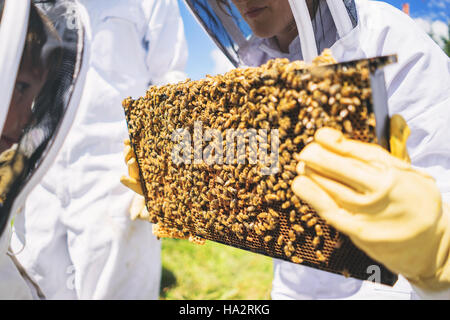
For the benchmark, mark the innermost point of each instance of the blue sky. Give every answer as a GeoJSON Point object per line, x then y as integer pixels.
{"type": "Point", "coordinates": [202, 50]}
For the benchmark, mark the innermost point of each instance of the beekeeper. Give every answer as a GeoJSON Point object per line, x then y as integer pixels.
{"type": "Point", "coordinates": [396, 214]}
{"type": "Point", "coordinates": [42, 72]}
{"type": "Point", "coordinates": [85, 245]}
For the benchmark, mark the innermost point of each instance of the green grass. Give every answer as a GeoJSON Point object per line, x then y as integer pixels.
{"type": "Point", "coordinates": [213, 272]}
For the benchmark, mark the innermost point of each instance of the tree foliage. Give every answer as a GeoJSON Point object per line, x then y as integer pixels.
{"type": "Point", "coordinates": [446, 41]}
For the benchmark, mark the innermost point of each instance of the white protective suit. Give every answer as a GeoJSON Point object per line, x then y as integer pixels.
{"type": "Point", "coordinates": [419, 90]}
{"type": "Point", "coordinates": [56, 104]}
{"type": "Point", "coordinates": [13, 285]}
{"type": "Point", "coordinates": [76, 238]}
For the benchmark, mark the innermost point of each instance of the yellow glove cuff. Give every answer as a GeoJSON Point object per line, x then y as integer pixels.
{"type": "Point", "coordinates": [398, 137]}
{"type": "Point", "coordinates": [133, 181]}
{"type": "Point", "coordinates": [439, 280]}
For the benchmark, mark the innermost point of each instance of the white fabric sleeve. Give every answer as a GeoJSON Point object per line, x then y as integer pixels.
{"type": "Point", "coordinates": [167, 48]}
{"type": "Point", "coordinates": [13, 286]}
{"type": "Point", "coordinates": [419, 90]}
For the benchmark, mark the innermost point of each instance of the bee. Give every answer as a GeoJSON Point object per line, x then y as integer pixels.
{"type": "Point", "coordinates": [219, 180]}
{"type": "Point", "coordinates": [262, 215]}
{"type": "Point", "coordinates": [296, 259]}
{"type": "Point", "coordinates": [298, 228]}
{"type": "Point", "coordinates": [292, 215]}
{"type": "Point", "coordinates": [287, 252]}
{"type": "Point", "coordinates": [281, 195]}
{"type": "Point", "coordinates": [273, 213]}
{"type": "Point", "coordinates": [311, 222]}
{"type": "Point", "coordinates": [197, 240]}
{"type": "Point", "coordinates": [283, 185]}
{"type": "Point", "coordinates": [316, 241]}
{"type": "Point", "coordinates": [280, 240]}
{"type": "Point", "coordinates": [263, 186]}
{"type": "Point", "coordinates": [345, 273]}
{"type": "Point", "coordinates": [231, 190]}
{"type": "Point", "coordinates": [296, 201]}
{"type": "Point", "coordinates": [320, 256]}
{"type": "Point", "coordinates": [272, 197]}
{"type": "Point", "coordinates": [286, 175]}
{"type": "Point", "coordinates": [292, 236]}
{"type": "Point", "coordinates": [286, 205]}
{"type": "Point", "coordinates": [318, 229]}
{"type": "Point", "coordinates": [291, 169]}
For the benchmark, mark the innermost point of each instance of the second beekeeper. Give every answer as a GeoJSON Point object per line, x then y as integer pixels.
{"type": "Point", "coordinates": [85, 245]}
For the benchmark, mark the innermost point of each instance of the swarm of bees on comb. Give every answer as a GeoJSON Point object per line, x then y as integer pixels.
{"type": "Point", "coordinates": [239, 202]}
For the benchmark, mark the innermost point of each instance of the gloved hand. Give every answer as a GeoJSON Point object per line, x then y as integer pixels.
{"type": "Point", "coordinates": [10, 168]}
{"type": "Point", "coordinates": [133, 181]}
{"type": "Point", "coordinates": [138, 208]}
{"type": "Point", "coordinates": [389, 210]}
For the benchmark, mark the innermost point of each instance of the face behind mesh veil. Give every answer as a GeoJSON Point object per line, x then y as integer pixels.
{"type": "Point", "coordinates": [43, 90]}
{"type": "Point", "coordinates": [237, 27]}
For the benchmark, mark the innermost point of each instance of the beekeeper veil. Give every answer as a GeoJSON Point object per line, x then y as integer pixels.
{"type": "Point", "coordinates": [41, 53]}
{"type": "Point", "coordinates": [245, 29]}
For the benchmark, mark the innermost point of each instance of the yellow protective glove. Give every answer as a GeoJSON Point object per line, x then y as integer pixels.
{"type": "Point", "coordinates": [398, 137]}
{"type": "Point", "coordinates": [138, 208]}
{"type": "Point", "coordinates": [389, 210]}
{"type": "Point", "coordinates": [133, 180]}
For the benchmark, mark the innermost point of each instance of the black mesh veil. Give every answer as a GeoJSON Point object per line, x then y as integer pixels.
{"type": "Point", "coordinates": [214, 17]}
{"type": "Point", "coordinates": [45, 82]}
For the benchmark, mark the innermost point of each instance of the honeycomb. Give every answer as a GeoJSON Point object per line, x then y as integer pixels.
{"type": "Point", "coordinates": [193, 188]}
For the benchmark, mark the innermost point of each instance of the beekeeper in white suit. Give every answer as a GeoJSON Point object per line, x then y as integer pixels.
{"type": "Point", "coordinates": [418, 86]}
{"type": "Point", "coordinates": [42, 71]}
{"type": "Point", "coordinates": [85, 245]}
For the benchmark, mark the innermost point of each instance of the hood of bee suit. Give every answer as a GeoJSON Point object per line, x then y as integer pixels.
{"type": "Point", "coordinates": [229, 27]}
{"type": "Point", "coordinates": [42, 50]}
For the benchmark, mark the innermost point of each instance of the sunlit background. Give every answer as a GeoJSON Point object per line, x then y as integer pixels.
{"type": "Point", "coordinates": [205, 58]}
